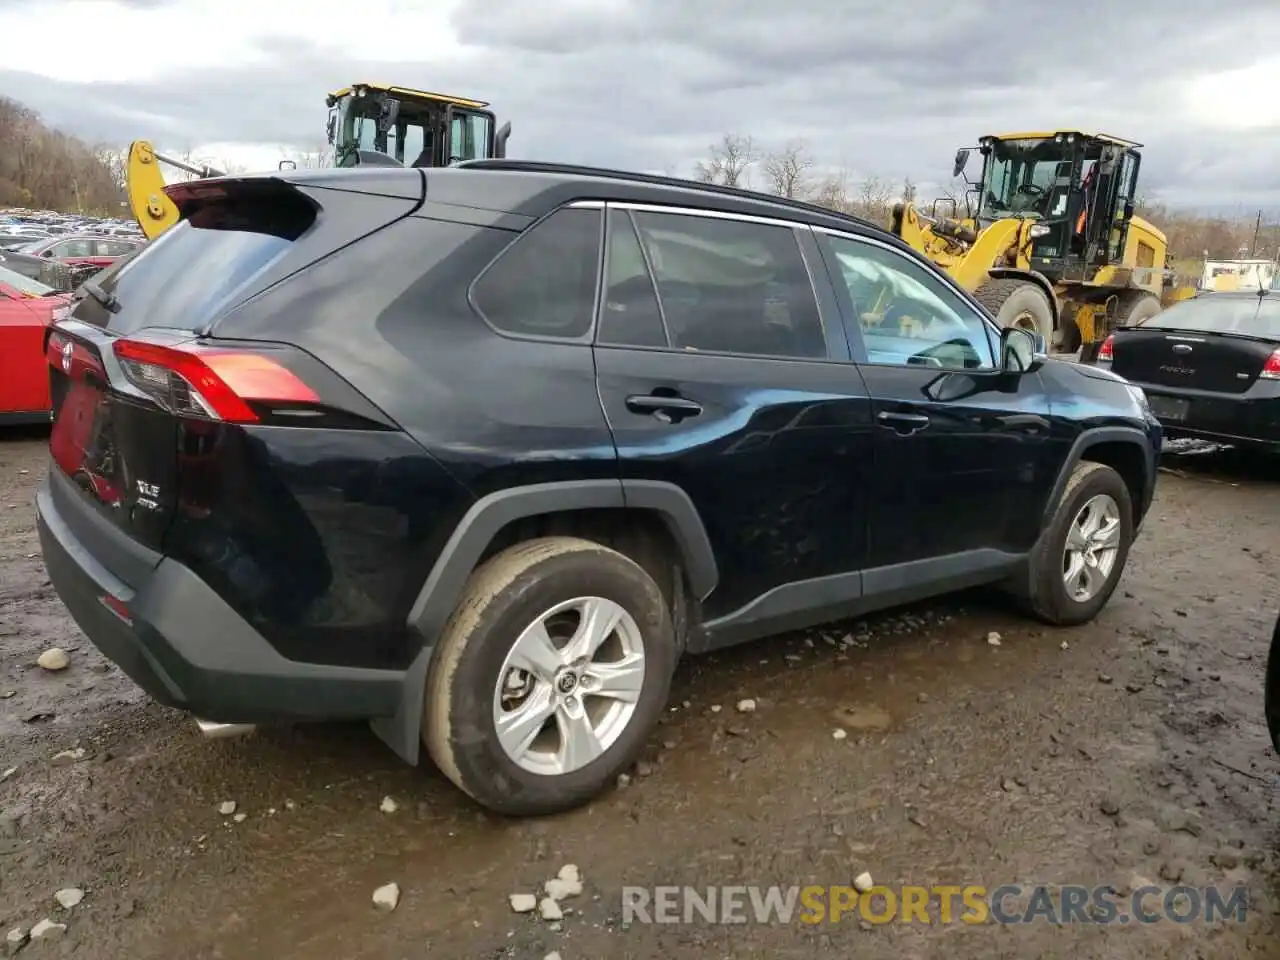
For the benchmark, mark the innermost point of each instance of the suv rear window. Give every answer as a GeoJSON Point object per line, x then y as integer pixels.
{"type": "Point", "coordinates": [183, 277]}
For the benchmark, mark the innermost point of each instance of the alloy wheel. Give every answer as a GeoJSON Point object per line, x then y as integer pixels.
{"type": "Point", "coordinates": [568, 687]}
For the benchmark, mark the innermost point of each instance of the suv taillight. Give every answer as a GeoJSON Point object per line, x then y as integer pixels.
{"type": "Point", "coordinates": [212, 382]}
{"type": "Point", "coordinates": [1271, 369]}
{"type": "Point", "coordinates": [1105, 351]}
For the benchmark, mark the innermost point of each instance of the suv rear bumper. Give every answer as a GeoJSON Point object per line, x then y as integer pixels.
{"type": "Point", "coordinates": [181, 642]}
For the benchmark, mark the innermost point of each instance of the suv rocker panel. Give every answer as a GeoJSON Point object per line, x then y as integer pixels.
{"type": "Point", "coordinates": [807, 603]}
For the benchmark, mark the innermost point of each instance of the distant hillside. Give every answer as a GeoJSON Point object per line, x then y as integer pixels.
{"type": "Point", "coordinates": [46, 169]}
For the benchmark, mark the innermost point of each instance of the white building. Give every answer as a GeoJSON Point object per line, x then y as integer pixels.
{"type": "Point", "coordinates": [1226, 275]}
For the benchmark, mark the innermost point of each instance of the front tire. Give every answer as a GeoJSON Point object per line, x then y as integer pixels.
{"type": "Point", "coordinates": [554, 667]}
{"type": "Point", "coordinates": [1136, 307]}
{"type": "Point", "coordinates": [1018, 303]}
{"type": "Point", "coordinates": [1079, 559]}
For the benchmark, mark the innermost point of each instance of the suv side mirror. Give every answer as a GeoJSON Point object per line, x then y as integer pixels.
{"type": "Point", "coordinates": [288, 165]}
{"type": "Point", "coordinates": [1022, 351]}
{"type": "Point", "coordinates": [962, 161]}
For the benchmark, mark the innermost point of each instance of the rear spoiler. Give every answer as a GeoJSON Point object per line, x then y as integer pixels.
{"type": "Point", "coordinates": [257, 203]}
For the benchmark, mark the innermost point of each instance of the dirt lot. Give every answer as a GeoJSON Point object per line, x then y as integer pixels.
{"type": "Point", "coordinates": [1128, 752]}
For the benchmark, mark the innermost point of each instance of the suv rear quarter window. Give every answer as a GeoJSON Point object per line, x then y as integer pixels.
{"type": "Point", "coordinates": [544, 283]}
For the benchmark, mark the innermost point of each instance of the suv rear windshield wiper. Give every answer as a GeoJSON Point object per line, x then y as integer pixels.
{"type": "Point", "coordinates": [108, 300]}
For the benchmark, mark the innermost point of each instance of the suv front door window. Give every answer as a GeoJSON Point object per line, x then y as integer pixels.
{"type": "Point", "coordinates": [962, 453]}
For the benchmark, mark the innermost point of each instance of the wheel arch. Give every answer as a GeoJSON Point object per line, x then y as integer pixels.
{"type": "Point", "coordinates": [1127, 450]}
{"type": "Point", "coordinates": [663, 506]}
{"type": "Point", "coordinates": [1030, 276]}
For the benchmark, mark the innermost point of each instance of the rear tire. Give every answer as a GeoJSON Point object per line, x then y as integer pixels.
{"type": "Point", "coordinates": [475, 687]}
{"type": "Point", "coordinates": [1018, 303]}
{"type": "Point", "coordinates": [1057, 574]}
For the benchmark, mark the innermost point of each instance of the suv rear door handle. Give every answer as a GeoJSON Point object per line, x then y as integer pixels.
{"type": "Point", "coordinates": [665, 408]}
{"type": "Point", "coordinates": [903, 422]}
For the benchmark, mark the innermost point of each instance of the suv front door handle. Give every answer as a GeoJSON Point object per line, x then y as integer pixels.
{"type": "Point", "coordinates": [905, 423]}
{"type": "Point", "coordinates": [668, 409]}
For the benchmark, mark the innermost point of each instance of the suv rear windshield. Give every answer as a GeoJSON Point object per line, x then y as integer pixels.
{"type": "Point", "coordinates": [1252, 316]}
{"type": "Point", "coordinates": [182, 278]}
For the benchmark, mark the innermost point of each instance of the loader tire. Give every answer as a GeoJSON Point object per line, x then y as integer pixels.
{"type": "Point", "coordinates": [1136, 307]}
{"type": "Point", "coordinates": [1018, 303]}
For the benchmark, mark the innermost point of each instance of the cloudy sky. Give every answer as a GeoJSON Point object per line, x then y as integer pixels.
{"type": "Point", "coordinates": [889, 89]}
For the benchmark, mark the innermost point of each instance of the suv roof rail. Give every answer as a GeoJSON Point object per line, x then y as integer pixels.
{"type": "Point", "coordinates": [581, 170]}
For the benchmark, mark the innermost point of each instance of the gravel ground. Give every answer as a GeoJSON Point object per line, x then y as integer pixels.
{"type": "Point", "coordinates": [1125, 752]}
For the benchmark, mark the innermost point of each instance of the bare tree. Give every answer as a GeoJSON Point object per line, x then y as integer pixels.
{"type": "Point", "coordinates": [787, 169]}
{"type": "Point", "coordinates": [44, 168]}
{"type": "Point", "coordinates": [908, 190]}
{"type": "Point", "coordinates": [115, 161]}
{"type": "Point", "coordinates": [832, 191]}
{"type": "Point", "coordinates": [874, 199]}
{"type": "Point", "coordinates": [313, 158]}
{"type": "Point", "coordinates": [729, 162]}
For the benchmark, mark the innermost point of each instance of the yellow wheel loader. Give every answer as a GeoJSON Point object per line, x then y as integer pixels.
{"type": "Point", "coordinates": [1050, 241]}
{"type": "Point", "coordinates": [368, 124]}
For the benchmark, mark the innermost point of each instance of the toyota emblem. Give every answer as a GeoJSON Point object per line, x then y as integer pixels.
{"type": "Point", "coordinates": [67, 350]}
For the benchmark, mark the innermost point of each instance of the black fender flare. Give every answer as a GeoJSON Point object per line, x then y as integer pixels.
{"type": "Point", "coordinates": [475, 532]}
{"type": "Point", "coordinates": [1091, 438]}
{"type": "Point", "coordinates": [1031, 276]}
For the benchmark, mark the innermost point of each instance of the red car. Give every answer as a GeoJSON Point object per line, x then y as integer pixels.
{"type": "Point", "coordinates": [26, 308]}
{"type": "Point", "coordinates": [98, 251]}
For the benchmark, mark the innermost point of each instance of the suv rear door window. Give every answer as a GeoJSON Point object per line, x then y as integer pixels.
{"type": "Point", "coordinates": [544, 283]}
{"type": "Point", "coordinates": [732, 286]}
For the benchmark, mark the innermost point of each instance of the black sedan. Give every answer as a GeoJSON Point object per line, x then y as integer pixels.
{"type": "Point", "coordinates": [1210, 366]}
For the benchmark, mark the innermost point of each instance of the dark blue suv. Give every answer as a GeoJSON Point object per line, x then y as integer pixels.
{"type": "Point", "coordinates": [479, 453]}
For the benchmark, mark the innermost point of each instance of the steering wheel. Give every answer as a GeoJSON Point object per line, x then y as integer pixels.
{"type": "Point", "coordinates": [1031, 190]}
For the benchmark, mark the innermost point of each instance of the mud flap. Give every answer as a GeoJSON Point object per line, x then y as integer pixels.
{"type": "Point", "coordinates": [402, 731]}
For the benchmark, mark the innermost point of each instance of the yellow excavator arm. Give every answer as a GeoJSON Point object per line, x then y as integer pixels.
{"type": "Point", "coordinates": [144, 183]}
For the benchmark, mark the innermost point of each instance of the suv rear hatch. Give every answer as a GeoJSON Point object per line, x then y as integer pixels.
{"type": "Point", "coordinates": [141, 395]}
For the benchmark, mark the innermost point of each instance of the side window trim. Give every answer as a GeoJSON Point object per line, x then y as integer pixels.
{"type": "Point", "coordinates": [589, 336]}
{"type": "Point", "coordinates": [829, 313]}
{"type": "Point", "coordinates": [853, 329]}
{"type": "Point", "coordinates": [623, 212]}
{"type": "Point", "coordinates": [829, 316]}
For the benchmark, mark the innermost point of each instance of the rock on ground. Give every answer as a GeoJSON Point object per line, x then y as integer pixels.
{"type": "Point", "coordinates": [387, 896]}
{"type": "Point", "coordinates": [69, 897]}
{"type": "Point", "coordinates": [54, 659]}
{"type": "Point", "coordinates": [523, 902]}
{"type": "Point", "coordinates": [46, 928]}
{"type": "Point", "coordinates": [548, 909]}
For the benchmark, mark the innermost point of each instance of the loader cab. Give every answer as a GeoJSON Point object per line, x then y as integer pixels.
{"type": "Point", "coordinates": [395, 125]}
{"type": "Point", "coordinates": [1081, 186]}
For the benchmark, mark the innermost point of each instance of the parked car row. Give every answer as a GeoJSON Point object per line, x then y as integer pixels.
{"type": "Point", "coordinates": [31, 258]}
{"type": "Point", "coordinates": [40, 225]}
